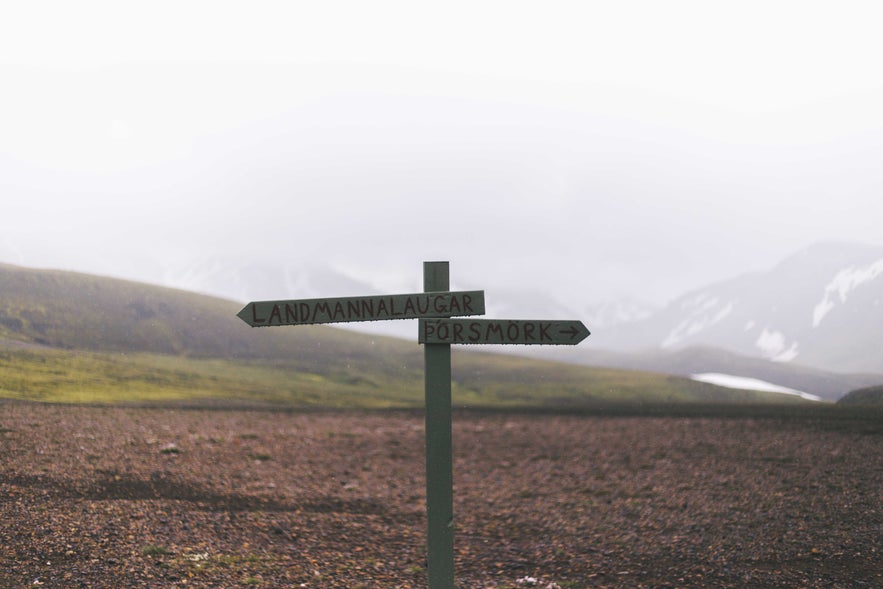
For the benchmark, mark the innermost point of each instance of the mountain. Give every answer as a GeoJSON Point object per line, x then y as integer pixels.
{"type": "Point", "coordinates": [66, 336]}
{"type": "Point", "coordinates": [822, 307]}
{"type": "Point", "coordinates": [870, 396]}
{"type": "Point", "coordinates": [68, 310]}
{"type": "Point", "coordinates": [811, 323]}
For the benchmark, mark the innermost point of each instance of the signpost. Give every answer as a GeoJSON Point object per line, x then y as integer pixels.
{"type": "Point", "coordinates": [434, 308]}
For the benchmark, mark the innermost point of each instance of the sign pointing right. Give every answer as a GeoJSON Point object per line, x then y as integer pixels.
{"type": "Point", "coordinates": [501, 331]}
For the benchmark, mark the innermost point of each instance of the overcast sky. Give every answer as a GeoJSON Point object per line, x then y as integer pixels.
{"type": "Point", "coordinates": [593, 150]}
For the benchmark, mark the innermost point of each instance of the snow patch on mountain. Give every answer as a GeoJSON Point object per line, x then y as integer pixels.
{"type": "Point", "coordinates": [704, 311]}
{"type": "Point", "coordinates": [750, 384]}
{"type": "Point", "coordinates": [841, 285]}
{"type": "Point", "coordinates": [774, 345]}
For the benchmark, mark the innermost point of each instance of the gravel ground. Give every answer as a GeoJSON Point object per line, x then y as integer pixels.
{"type": "Point", "coordinates": [123, 497]}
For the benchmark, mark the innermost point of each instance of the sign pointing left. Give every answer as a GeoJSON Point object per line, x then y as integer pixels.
{"type": "Point", "coordinates": [371, 308]}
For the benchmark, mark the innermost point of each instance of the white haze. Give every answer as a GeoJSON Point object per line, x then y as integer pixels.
{"type": "Point", "coordinates": [588, 151]}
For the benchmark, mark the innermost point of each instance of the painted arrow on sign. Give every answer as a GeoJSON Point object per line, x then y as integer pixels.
{"type": "Point", "coordinates": [501, 331]}
{"type": "Point", "coordinates": [371, 308]}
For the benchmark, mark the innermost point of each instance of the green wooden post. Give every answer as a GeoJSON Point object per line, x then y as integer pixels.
{"type": "Point", "coordinates": [439, 461]}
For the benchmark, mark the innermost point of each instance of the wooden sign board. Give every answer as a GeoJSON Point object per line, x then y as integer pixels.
{"type": "Point", "coordinates": [501, 331]}
{"type": "Point", "coordinates": [372, 308]}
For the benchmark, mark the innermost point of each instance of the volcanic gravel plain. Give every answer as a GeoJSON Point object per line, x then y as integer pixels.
{"type": "Point", "coordinates": [160, 497]}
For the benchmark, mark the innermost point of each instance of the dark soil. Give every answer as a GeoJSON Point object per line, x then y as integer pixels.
{"type": "Point", "coordinates": [127, 497]}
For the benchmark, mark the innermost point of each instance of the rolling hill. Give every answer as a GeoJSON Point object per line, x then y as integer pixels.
{"type": "Point", "coordinates": [70, 337]}
{"type": "Point", "coordinates": [869, 396]}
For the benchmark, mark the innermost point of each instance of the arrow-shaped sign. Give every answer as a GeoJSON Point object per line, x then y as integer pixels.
{"type": "Point", "coordinates": [371, 308]}
{"type": "Point", "coordinates": [501, 331]}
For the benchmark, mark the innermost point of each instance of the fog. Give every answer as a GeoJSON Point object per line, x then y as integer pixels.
{"type": "Point", "coordinates": [590, 151]}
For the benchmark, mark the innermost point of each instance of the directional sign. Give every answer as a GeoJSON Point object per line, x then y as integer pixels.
{"type": "Point", "coordinates": [433, 307]}
{"type": "Point", "coordinates": [501, 331]}
{"type": "Point", "coordinates": [372, 308]}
